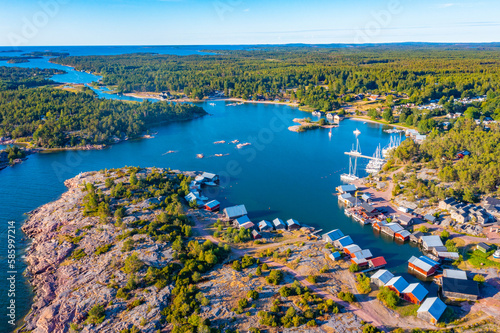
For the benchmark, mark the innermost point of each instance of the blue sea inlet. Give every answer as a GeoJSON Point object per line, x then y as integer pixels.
{"type": "Point", "coordinates": [281, 174]}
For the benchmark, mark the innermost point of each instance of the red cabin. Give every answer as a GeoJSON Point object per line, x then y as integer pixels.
{"type": "Point", "coordinates": [402, 235]}
{"type": "Point", "coordinates": [423, 265]}
{"type": "Point", "coordinates": [377, 263]}
{"type": "Point", "coordinates": [212, 206]}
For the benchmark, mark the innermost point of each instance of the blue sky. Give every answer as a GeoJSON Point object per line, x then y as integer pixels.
{"type": "Point", "coordinates": [187, 22]}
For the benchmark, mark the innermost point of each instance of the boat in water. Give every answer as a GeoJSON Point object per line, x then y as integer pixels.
{"type": "Point", "coordinates": [170, 152]}
{"type": "Point", "coordinates": [200, 156]}
{"type": "Point", "coordinates": [241, 145]}
{"type": "Point", "coordinates": [357, 132]}
{"type": "Point", "coordinates": [353, 154]}
{"type": "Point", "coordinates": [395, 142]}
{"type": "Point", "coordinates": [393, 131]}
{"type": "Point", "coordinates": [377, 163]}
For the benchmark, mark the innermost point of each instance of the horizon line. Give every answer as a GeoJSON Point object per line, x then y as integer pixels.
{"type": "Point", "coordinates": [264, 44]}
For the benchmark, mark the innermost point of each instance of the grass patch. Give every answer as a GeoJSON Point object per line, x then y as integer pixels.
{"type": "Point", "coordinates": [479, 259]}
{"type": "Point", "coordinates": [407, 309]}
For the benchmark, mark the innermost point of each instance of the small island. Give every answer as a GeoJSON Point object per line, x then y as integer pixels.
{"type": "Point", "coordinates": [12, 155]}
{"type": "Point", "coordinates": [307, 124]}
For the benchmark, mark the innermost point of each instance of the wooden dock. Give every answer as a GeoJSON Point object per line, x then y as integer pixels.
{"type": "Point", "coordinates": [354, 154]}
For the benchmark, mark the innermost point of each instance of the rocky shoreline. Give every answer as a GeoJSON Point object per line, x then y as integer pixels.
{"type": "Point", "coordinates": [71, 273]}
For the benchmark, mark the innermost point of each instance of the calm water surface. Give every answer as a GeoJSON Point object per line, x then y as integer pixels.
{"type": "Point", "coordinates": [282, 174]}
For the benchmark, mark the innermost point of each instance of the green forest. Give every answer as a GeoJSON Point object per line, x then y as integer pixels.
{"type": "Point", "coordinates": [322, 78]}
{"type": "Point", "coordinates": [471, 176]}
{"type": "Point", "coordinates": [15, 78]}
{"type": "Point", "coordinates": [54, 118]}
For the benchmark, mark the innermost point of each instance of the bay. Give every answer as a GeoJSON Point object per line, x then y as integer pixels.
{"type": "Point", "coordinates": [281, 174]}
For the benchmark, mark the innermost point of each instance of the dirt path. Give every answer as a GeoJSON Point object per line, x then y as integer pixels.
{"type": "Point", "coordinates": [362, 313]}
{"type": "Point", "coordinates": [365, 314]}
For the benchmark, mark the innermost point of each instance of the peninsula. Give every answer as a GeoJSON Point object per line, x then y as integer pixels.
{"type": "Point", "coordinates": [123, 251]}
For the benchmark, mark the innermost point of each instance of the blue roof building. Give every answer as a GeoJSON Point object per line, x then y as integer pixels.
{"type": "Point", "coordinates": [265, 225]}
{"type": "Point", "coordinates": [293, 224]}
{"type": "Point", "coordinates": [343, 242]}
{"type": "Point", "coordinates": [279, 224]}
{"type": "Point", "coordinates": [241, 220]}
{"type": "Point", "coordinates": [431, 310]}
{"type": "Point", "coordinates": [335, 255]}
{"type": "Point", "coordinates": [397, 284]}
{"type": "Point", "coordinates": [333, 235]}
{"type": "Point", "coordinates": [381, 277]}
{"type": "Point", "coordinates": [415, 293]}
{"type": "Point", "coordinates": [235, 212]}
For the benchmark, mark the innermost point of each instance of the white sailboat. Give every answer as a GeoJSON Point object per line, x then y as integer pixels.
{"type": "Point", "coordinates": [376, 164]}
{"type": "Point", "coordinates": [394, 143]}
{"type": "Point", "coordinates": [351, 176]}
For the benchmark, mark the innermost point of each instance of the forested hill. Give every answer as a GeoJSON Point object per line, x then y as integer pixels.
{"type": "Point", "coordinates": [318, 77]}
{"type": "Point", "coordinates": [53, 118]}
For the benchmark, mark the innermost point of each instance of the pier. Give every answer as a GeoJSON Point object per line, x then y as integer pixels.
{"type": "Point", "coordinates": [355, 154]}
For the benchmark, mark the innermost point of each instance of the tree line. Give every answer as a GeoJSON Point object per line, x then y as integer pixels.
{"type": "Point", "coordinates": [322, 78]}
{"type": "Point", "coordinates": [53, 118]}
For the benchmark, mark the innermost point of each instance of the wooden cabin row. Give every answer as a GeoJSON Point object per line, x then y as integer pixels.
{"type": "Point", "coordinates": [431, 308]}
{"type": "Point", "coordinates": [363, 258]}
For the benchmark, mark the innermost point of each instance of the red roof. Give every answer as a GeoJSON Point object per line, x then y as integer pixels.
{"type": "Point", "coordinates": [377, 262]}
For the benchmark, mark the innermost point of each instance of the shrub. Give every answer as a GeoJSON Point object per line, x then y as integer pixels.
{"type": "Point", "coordinates": [388, 297]}
{"type": "Point", "coordinates": [196, 276]}
{"type": "Point", "coordinates": [134, 304]}
{"type": "Point", "coordinates": [354, 268]}
{"type": "Point", "coordinates": [236, 265]}
{"type": "Point", "coordinates": [450, 246]}
{"type": "Point", "coordinates": [132, 264]}
{"type": "Point", "coordinates": [252, 294]}
{"type": "Point", "coordinates": [265, 267]}
{"type": "Point", "coordinates": [121, 293]}
{"type": "Point", "coordinates": [423, 228]}
{"type": "Point", "coordinates": [274, 277]}
{"type": "Point", "coordinates": [247, 261]}
{"type": "Point", "coordinates": [363, 284]}
{"type": "Point", "coordinates": [103, 249]}
{"type": "Point", "coordinates": [346, 296]}
{"type": "Point", "coordinates": [445, 234]}
{"type": "Point", "coordinates": [311, 323]}
{"type": "Point", "coordinates": [243, 303]}
{"type": "Point", "coordinates": [131, 283]}
{"type": "Point", "coordinates": [78, 254]}
{"type": "Point", "coordinates": [267, 319]}
{"type": "Point", "coordinates": [128, 245]}
{"type": "Point", "coordinates": [479, 278]}
{"type": "Point", "coordinates": [285, 291]}
{"type": "Point", "coordinates": [96, 315]}
{"type": "Point", "coordinates": [369, 328]}
{"type": "Point", "coordinates": [258, 272]}
{"type": "Point", "coordinates": [312, 278]}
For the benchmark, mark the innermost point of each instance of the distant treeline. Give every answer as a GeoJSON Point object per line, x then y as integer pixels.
{"type": "Point", "coordinates": [322, 78]}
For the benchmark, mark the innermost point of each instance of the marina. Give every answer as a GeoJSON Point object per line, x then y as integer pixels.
{"type": "Point", "coordinates": [258, 177]}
